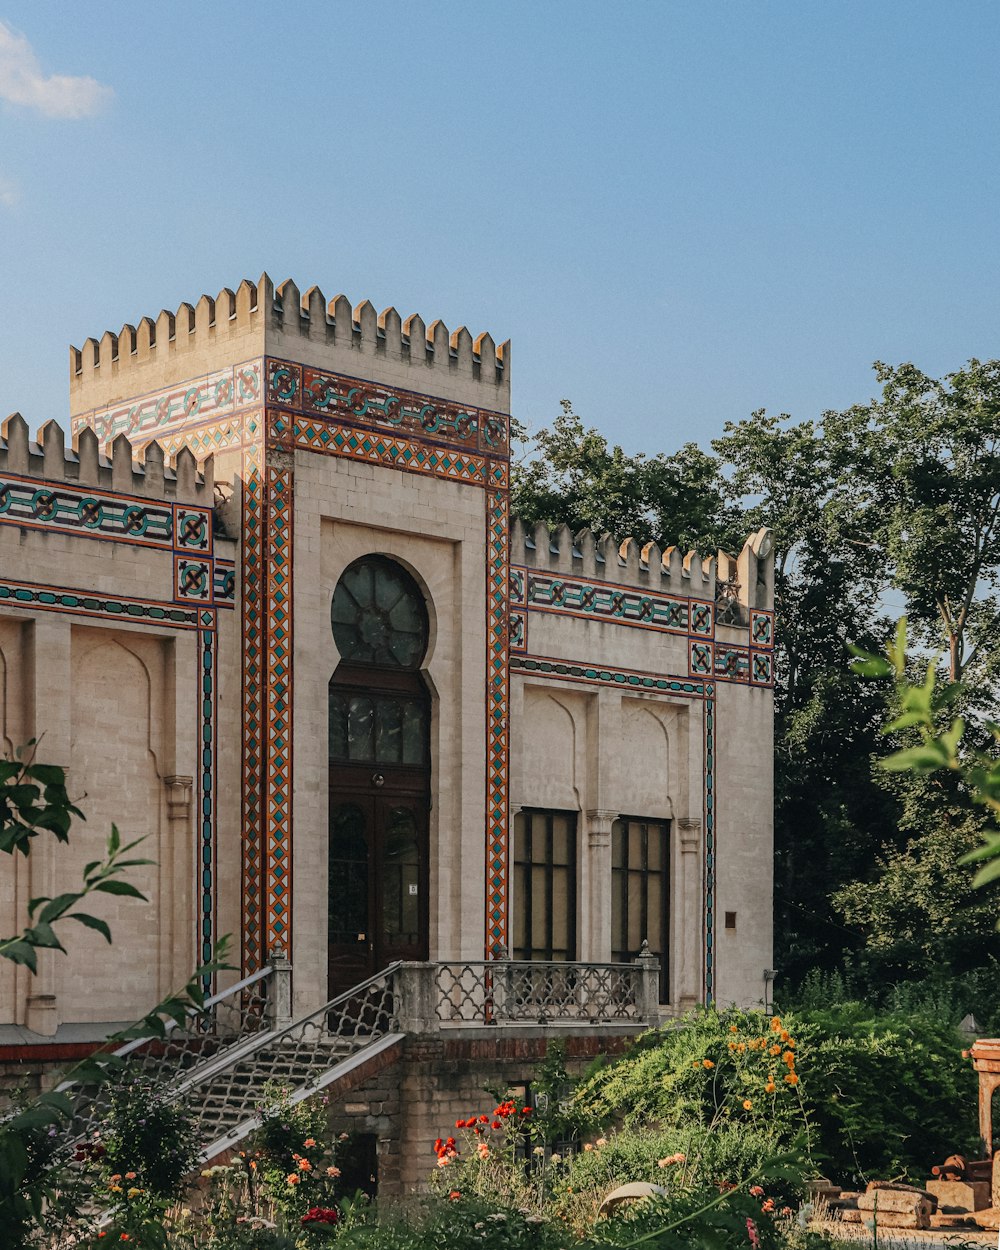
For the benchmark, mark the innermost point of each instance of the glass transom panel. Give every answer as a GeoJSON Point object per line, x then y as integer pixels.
{"type": "Point", "coordinates": [378, 615]}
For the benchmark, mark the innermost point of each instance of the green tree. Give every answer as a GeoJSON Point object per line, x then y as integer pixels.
{"type": "Point", "coordinates": [569, 474]}
{"type": "Point", "coordinates": [917, 474]}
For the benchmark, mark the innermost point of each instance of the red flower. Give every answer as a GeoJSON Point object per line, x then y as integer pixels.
{"type": "Point", "coordinates": [320, 1215]}
{"type": "Point", "coordinates": [484, 1119]}
{"type": "Point", "coordinates": [526, 1111]}
{"type": "Point", "coordinates": [460, 1124]}
{"type": "Point", "coordinates": [497, 1124]}
{"type": "Point", "coordinates": [454, 1195]}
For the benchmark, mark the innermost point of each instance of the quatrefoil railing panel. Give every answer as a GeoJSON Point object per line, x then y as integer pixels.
{"type": "Point", "coordinates": [512, 992]}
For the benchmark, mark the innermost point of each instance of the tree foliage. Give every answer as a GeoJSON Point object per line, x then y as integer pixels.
{"type": "Point", "coordinates": [896, 498]}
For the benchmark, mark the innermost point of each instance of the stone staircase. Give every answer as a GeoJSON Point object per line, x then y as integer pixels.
{"type": "Point", "coordinates": [223, 1064]}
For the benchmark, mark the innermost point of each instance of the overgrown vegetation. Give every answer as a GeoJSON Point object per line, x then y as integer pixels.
{"type": "Point", "coordinates": [891, 503]}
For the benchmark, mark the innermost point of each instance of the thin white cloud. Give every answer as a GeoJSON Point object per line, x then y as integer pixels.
{"type": "Point", "coordinates": [10, 192]}
{"type": "Point", "coordinates": [58, 95]}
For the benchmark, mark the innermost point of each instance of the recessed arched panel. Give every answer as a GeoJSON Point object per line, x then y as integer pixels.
{"type": "Point", "coordinates": [379, 771]}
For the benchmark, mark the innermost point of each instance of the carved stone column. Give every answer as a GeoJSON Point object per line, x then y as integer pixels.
{"type": "Point", "coordinates": [174, 881]}
{"type": "Point", "coordinates": [689, 979]}
{"type": "Point", "coordinates": [595, 928]}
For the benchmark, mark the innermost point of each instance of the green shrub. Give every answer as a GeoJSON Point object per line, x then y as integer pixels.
{"type": "Point", "coordinates": [882, 1093]}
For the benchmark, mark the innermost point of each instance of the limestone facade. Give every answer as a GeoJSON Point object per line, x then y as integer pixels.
{"type": "Point", "coordinates": [597, 759]}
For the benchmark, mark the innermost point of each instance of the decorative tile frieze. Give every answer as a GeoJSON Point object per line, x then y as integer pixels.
{"type": "Point", "coordinates": [173, 408]}
{"type": "Point", "coordinates": [701, 658]}
{"type": "Point", "coordinates": [105, 607]}
{"type": "Point", "coordinates": [384, 449]}
{"type": "Point", "coordinates": [762, 668]}
{"type": "Point", "coordinates": [57, 508]}
{"type": "Point", "coordinates": [605, 601]}
{"type": "Point", "coordinates": [762, 628]}
{"type": "Point", "coordinates": [571, 670]}
{"type": "Point", "coordinates": [365, 404]}
{"type": "Point", "coordinates": [731, 663]}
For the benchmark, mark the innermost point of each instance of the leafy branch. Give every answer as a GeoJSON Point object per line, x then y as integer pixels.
{"type": "Point", "coordinates": [99, 877]}
{"type": "Point", "coordinates": [939, 745]}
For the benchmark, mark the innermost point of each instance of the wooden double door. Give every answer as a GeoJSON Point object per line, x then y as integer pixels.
{"type": "Point", "coordinates": [378, 905]}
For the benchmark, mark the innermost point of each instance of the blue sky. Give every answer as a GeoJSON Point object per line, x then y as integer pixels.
{"type": "Point", "coordinates": [678, 212]}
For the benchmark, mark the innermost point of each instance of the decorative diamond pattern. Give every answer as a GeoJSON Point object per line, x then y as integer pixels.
{"type": "Point", "coordinates": [253, 638]}
{"type": "Point", "coordinates": [497, 708]}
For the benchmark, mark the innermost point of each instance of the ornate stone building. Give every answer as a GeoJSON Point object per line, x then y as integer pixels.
{"type": "Point", "coordinates": [268, 607]}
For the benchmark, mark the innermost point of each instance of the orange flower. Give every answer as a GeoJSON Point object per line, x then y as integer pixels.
{"type": "Point", "coordinates": [768, 1206]}
{"type": "Point", "coordinates": [696, 1064]}
{"type": "Point", "coordinates": [309, 1143]}
{"type": "Point", "coordinates": [747, 1104]}
{"type": "Point", "coordinates": [130, 1176]}
{"type": "Point", "coordinates": [733, 1028]}
{"type": "Point", "coordinates": [785, 1035]}
{"type": "Point", "coordinates": [775, 1050]}
{"type": "Point", "coordinates": [791, 1078]}
{"type": "Point", "coordinates": [707, 1063]}
{"type": "Point", "coordinates": [292, 1178]}
{"type": "Point", "coordinates": [455, 1195]}
{"type": "Point", "coordinates": [770, 1087]}
{"type": "Point", "coordinates": [776, 1024]}
{"type": "Point", "coordinates": [332, 1171]}
{"type": "Point", "coordinates": [741, 1047]}
{"type": "Point", "coordinates": [305, 1165]}
{"type": "Point", "coordinates": [789, 1058]}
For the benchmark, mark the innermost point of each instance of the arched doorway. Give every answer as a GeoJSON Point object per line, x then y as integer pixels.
{"type": "Point", "coordinates": [379, 761]}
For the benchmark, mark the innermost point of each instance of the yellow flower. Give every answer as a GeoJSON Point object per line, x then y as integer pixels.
{"type": "Point", "coordinates": [741, 1047]}
{"type": "Point", "coordinates": [747, 1104]}
{"type": "Point", "coordinates": [116, 1189]}
{"type": "Point", "coordinates": [132, 1192]}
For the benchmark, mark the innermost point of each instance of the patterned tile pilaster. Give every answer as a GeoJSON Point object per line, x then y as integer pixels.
{"type": "Point", "coordinates": [497, 709]}
{"type": "Point", "coordinates": [207, 722]}
{"type": "Point", "coordinates": [278, 705]}
{"type": "Point", "coordinates": [253, 719]}
{"type": "Point", "coordinates": [710, 844]}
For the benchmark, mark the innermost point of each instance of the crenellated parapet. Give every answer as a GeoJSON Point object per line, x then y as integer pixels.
{"type": "Point", "coordinates": [83, 463]}
{"type": "Point", "coordinates": [259, 319]}
{"type": "Point", "coordinates": [737, 584]}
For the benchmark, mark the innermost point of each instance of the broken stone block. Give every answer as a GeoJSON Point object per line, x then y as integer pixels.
{"type": "Point", "coordinates": [961, 1195]}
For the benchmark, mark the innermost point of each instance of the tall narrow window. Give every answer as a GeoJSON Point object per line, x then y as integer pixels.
{"type": "Point", "coordinates": [544, 885]}
{"type": "Point", "coordinates": [379, 771]}
{"type": "Point", "coordinates": [640, 862]}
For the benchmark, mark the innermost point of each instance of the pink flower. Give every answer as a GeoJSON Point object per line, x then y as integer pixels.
{"type": "Point", "coordinates": [752, 1236]}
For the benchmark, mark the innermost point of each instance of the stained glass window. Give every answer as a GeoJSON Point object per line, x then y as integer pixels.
{"type": "Point", "coordinates": [378, 615]}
